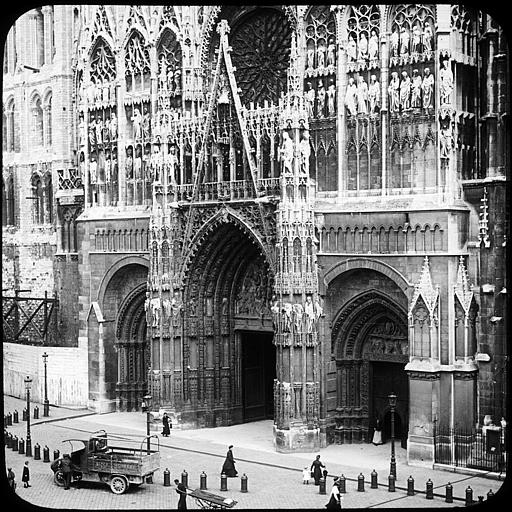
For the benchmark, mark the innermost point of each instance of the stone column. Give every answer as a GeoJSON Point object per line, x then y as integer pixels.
{"type": "Point", "coordinates": [48, 29]}
{"type": "Point", "coordinates": [384, 79]}
{"type": "Point", "coordinates": [121, 129]}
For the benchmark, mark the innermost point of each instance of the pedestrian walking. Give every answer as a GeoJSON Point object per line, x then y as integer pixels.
{"type": "Point", "coordinates": [66, 467]}
{"type": "Point", "coordinates": [334, 500]}
{"type": "Point", "coordinates": [306, 475]}
{"type": "Point", "coordinates": [182, 491]}
{"type": "Point", "coordinates": [166, 422]}
{"type": "Point", "coordinates": [25, 477]}
{"type": "Point", "coordinates": [228, 468]}
{"type": "Point", "coordinates": [11, 479]}
{"type": "Point", "coordinates": [377, 434]}
{"type": "Point", "coordinates": [316, 471]}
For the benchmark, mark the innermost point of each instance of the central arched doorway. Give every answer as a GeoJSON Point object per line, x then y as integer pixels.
{"type": "Point", "coordinates": [370, 348]}
{"type": "Point", "coordinates": [228, 355]}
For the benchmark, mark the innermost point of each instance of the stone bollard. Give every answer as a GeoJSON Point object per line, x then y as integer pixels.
{"type": "Point", "coordinates": [56, 454]}
{"type": "Point", "coordinates": [16, 417]}
{"type": "Point", "coordinates": [449, 493]}
{"type": "Point", "coordinates": [469, 496]}
{"type": "Point", "coordinates": [184, 478]}
{"type": "Point", "coordinates": [36, 412]}
{"type": "Point", "coordinates": [8, 440]}
{"type": "Point", "coordinates": [167, 477]}
{"type": "Point", "coordinates": [360, 482]}
{"type": "Point", "coordinates": [14, 445]}
{"type": "Point", "coordinates": [202, 481]}
{"type": "Point", "coordinates": [391, 482]}
{"type": "Point", "coordinates": [223, 482]}
{"type": "Point", "coordinates": [321, 487]}
{"type": "Point", "coordinates": [37, 452]}
{"type": "Point", "coordinates": [24, 414]}
{"type": "Point", "coordinates": [490, 494]}
{"type": "Point", "coordinates": [21, 446]}
{"type": "Point", "coordinates": [430, 490]}
{"type": "Point", "coordinates": [243, 483]}
{"type": "Point", "coordinates": [374, 483]}
{"type": "Point", "coordinates": [9, 419]}
{"type": "Point", "coordinates": [410, 486]}
{"type": "Point", "coordinates": [342, 484]}
{"type": "Point", "coordinates": [46, 454]}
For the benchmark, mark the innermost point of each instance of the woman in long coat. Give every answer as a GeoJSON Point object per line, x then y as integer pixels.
{"type": "Point", "coordinates": [316, 469]}
{"type": "Point", "coordinates": [228, 467]}
{"type": "Point", "coordinates": [25, 477]}
{"type": "Point", "coordinates": [165, 421]}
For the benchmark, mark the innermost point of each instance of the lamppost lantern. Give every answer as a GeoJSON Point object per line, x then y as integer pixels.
{"type": "Point", "coordinates": [46, 403]}
{"type": "Point", "coordinates": [392, 405]}
{"type": "Point", "coordinates": [28, 444]}
{"type": "Point", "coordinates": [146, 406]}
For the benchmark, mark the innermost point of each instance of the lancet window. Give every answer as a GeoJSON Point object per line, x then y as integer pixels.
{"type": "Point", "coordinates": [47, 120]}
{"type": "Point", "coordinates": [321, 96]}
{"type": "Point", "coordinates": [37, 126]}
{"type": "Point", "coordinates": [411, 160]}
{"type": "Point", "coordinates": [8, 216]}
{"type": "Point", "coordinates": [363, 100]}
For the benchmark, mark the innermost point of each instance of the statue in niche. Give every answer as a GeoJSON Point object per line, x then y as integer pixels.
{"type": "Point", "coordinates": [137, 122]}
{"type": "Point", "coordinates": [177, 81]}
{"type": "Point", "coordinates": [363, 47]}
{"type": "Point", "coordinates": [320, 56]}
{"type": "Point", "coordinates": [374, 94]}
{"type": "Point", "coordinates": [129, 163]}
{"type": "Point", "coordinates": [274, 309]}
{"type": "Point", "coordinates": [170, 80]}
{"type": "Point", "coordinates": [395, 42]}
{"type": "Point", "coordinates": [192, 307]}
{"type": "Point", "coordinates": [405, 91]}
{"type": "Point", "coordinates": [82, 131]}
{"type": "Point", "coordinates": [108, 168]}
{"type": "Point", "coordinates": [112, 86]}
{"type": "Point", "coordinates": [298, 311]}
{"type": "Point", "coordinates": [176, 308]}
{"type": "Point", "coordinates": [373, 46]}
{"type": "Point", "coordinates": [310, 99]}
{"type": "Point", "coordinates": [331, 98]}
{"type": "Point", "coordinates": [416, 89]}
{"type": "Point", "coordinates": [305, 152]}
{"type": "Point", "coordinates": [166, 307]}
{"type": "Point", "coordinates": [309, 311]}
{"type": "Point", "coordinates": [97, 93]}
{"type": "Point", "coordinates": [446, 87]}
{"type": "Point", "coordinates": [351, 97]}
{"type": "Point", "coordinates": [331, 53]}
{"type": "Point", "coordinates": [105, 93]}
{"type": "Point", "coordinates": [99, 131]}
{"type": "Point", "coordinates": [224, 306]}
{"type": "Point", "coordinates": [318, 305]}
{"type": "Point", "coordinates": [155, 311]}
{"type": "Point", "coordinates": [287, 150]}
{"type": "Point", "coordinates": [311, 58]}
{"type": "Point", "coordinates": [93, 170]}
{"type": "Point", "coordinates": [90, 93]}
{"type": "Point", "coordinates": [147, 308]}
{"type": "Point", "coordinates": [427, 37]}
{"type": "Point", "coordinates": [362, 96]}
{"type": "Point", "coordinates": [394, 92]}
{"type": "Point", "coordinates": [446, 139]}
{"type": "Point", "coordinates": [156, 162]}
{"type": "Point", "coordinates": [92, 131]}
{"type": "Point", "coordinates": [351, 49]}
{"type": "Point", "coordinates": [404, 42]}
{"type": "Point", "coordinates": [137, 164]}
{"type": "Point", "coordinates": [146, 126]}
{"type": "Point", "coordinates": [427, 88]}
{"type": "Point", "coordinates": [416, 38]}
{"type": "Point", "coordinates": [162, 76]}
{"type": "Point", "coordinates": [172, 162]}
{"type": "Point", "coordinates": [209, 306]}
{"type": "Point", "coordinates": [320, 104]}
{"type": "Point", "coordinates": [113, 127]}
{"type": "Point", "coordinates": [106, 129]}
{"type": "Point", "coordinates": [287, 317]}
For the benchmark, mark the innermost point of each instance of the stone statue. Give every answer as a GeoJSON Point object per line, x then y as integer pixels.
{"type": "Point", "coordinates": [446, 139]}
{"type": "Point", "coordinates": [93, 171]}
{"type": "Point", "coordinates": [129, 164]}
{"type": "Point", "coordinates": [287, 150]}
{"type": "Point", "coordinates": [427, 37]}
{"type": "Point", "coordinates": [224, 306]}
{"type": "Point", "coordinates": [170, 80]}
{"type": "Point", "coordinates": [155, 311]}
{"type": "Point", "coordinates": [331, 53]}
{"type": "Point", "coordinates": [162, 77]}
{"type": "Point", "coordinates": [405, 91]}
{"type": "Point", "coordinates": [310, 99]}
{"type": "Point", "coordinates": [363, 47]}
{"type": "Point", "coordinates": [427, 87]}
{"type": "Point", "coordinates": [146, 126]}
{"type": "Point", "coordinates": [99, 131]}
{"type": "Point", "coordinates": [309, 311]}
{"type": "Point", "coordinates": [320, 57]}
{"type": "Point", "coordinates": [92, 132]}
{"type": "Point", "coordinates": [113, 127]}
{"type": "Point", "coordinates": [446, 86]}
{"type": "Point", "coordinates": [331, 99]}
{"type": "Point", "coordinates": [362, 96]}
{"type": "Point", "coordinates": [311, 58]}
{"type": "Point", "coordinates": [305, 152]}
{"type": "Point", "coordinates": [298, 311]}
{"type": "Point", "coordinates": [404, 42]}
{"type": "Point", "coordinates": [394, 92]}
{"type": "Point", "coordinates": [137, 121]}
{"type": "Point", "coordinates": [137, 165]}
{"type": "Point", "coordinates": [373, 46]}
{"type": "Point", "coordinates": [416, 38]}
{"type": "Point", "coordinates": [172, 162]}
{"type": "Point", "coordinates": [274, 308]}
{"type": "Point", "coordinates": [176, 307]}
{"type": "Point", "coordinates": [106, 130]}
{"type": "Point", "coordinates": [287, 317]}
{"type": "Point", "coordinates": [416, 89]}
{"type": "Point", "coordinates": [108, 169]}
{"type": "Point", "coordinates": [395, 41]}
{"type": "Point", "coordinates": [351, 97]}
{"type": "Point", "coordinates": [374, 94]}
{"type": "Point", "coordinates": [320, 103]}
{"type": "Point", "coordinates": [351, 49]}
{"type": "Point", "coordinates": [82, 131]}
{"type": "Point", "coordinates": [106, 93]}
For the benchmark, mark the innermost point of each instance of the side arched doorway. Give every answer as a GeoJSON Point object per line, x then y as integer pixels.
{"type": "Point", "coordinates": [370, 348]}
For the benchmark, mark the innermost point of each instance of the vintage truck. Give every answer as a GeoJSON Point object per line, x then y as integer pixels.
{"type": "Point", "coordinates": [117, 466]}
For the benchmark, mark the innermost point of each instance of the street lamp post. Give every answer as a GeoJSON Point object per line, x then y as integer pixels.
{"type": "Point", "coordinates": [46, 403]}
{"type": "Point", "coordinates": [146, 405]}
{"type": "Point", "coordinates": [28, 444]}
{"type": "Point", "coordinates": [392, 405]}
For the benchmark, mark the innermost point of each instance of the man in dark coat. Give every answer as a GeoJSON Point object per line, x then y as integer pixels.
{"type": "Point", "coordinates": [182, 491]}
{"type": "Point", "coordinates": [228, 467]}
{"type": "Point", "coordinates": [11, 478]}
{"type": "Point", "coordinates": [25, 477]}
{"type": "Point", "coordinates": [66, 467]}
{"type": "Point", "coordinates": [166, 425]}
{"type": "Point", "coordinates": [316, 469]}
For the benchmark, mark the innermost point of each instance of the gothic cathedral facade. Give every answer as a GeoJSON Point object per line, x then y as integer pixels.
{"type": "Point", "coordinates": [287, 213]}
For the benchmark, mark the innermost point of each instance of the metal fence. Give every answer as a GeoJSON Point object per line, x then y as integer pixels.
{"type": "Point", "coordinates": [484, 449]}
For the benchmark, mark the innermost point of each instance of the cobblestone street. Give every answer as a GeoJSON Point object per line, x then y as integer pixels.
{"type": "Point", "coordinates": [274, 480]}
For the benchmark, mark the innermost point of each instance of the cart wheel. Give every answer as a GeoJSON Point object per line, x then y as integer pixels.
{"type": "Point", "coordinates": [118, 484]}
{"type": "Point", "coordinates": [58, 478]}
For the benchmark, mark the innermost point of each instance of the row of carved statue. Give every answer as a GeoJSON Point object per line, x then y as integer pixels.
{"type": "Point", "coordinates": [295, 317]}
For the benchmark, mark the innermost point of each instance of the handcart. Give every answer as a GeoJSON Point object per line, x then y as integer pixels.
{"type": "Point", "coordinates": [207, 500]}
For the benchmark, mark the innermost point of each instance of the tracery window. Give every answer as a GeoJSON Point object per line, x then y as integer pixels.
{"type": "Point", "coordinates": [37, 127]}
{"type": "Point", "coordinates": [137, 63]}
{"type": "Point", "coordinates": [38, 198]}
{"type": "Point", "coordinates": [320, 94]}
{"type": "Point", "coordinates": [169, 57]}
{"type": "Point", "coordinates": [8, 200]}
{"type": "Point", "coordinates": [411, 159]}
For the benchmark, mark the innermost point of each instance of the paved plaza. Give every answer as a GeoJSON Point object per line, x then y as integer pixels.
{"type": "Point", "coordinates": [274, 479]}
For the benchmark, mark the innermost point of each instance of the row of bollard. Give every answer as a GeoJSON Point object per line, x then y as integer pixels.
{"type": "Point", "coordinates": [203, 481]}
{"type": "Point", "coordinates": [11, 418]}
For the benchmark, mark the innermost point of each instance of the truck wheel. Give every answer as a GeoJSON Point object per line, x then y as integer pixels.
{"type": "Point", "coordinates": [58, 478]}
{"type": "Point", "coordinates": [118, 484]}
